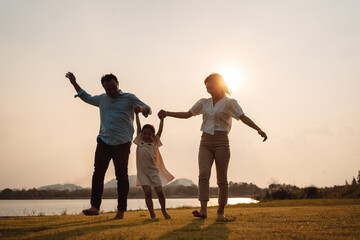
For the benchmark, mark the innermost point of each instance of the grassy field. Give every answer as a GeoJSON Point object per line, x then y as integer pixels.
{"type": "Point", "coordinates": [287, 219]}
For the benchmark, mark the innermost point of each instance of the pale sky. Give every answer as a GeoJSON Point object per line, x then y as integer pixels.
{"type": "Point", "coordinates": [297, 75]}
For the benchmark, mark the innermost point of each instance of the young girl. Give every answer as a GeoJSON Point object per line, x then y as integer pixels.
{"type": "Point", "coordinates": [151, 171]}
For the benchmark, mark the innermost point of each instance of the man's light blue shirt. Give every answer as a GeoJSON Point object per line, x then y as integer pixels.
{"type": "Point", "coordinates": [116, 115]}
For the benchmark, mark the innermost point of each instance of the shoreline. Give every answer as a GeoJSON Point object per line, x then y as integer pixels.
{"type": "Point", "coordinates": [57, 207]}
{"type": "Point", "coordinates": [167, 197]}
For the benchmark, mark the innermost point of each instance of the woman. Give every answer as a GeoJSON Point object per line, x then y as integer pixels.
{"type": "Point", "coordinates": [217, 112]}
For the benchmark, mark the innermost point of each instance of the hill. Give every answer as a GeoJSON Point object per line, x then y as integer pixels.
{"type": "Point", "coordinates": [60, 187]}
{"type": "Point", "coordinates": [182, 181]}
{"type": "Point", "coordinates": [132, 182]}
{"type": "Point", "coordinates": [113, 183]}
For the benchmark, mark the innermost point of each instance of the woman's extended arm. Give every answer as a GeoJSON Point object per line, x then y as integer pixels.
{"type": "Point", "coordinates": [163, 113]}
{"type": "Point", "coordinates": [251, 124]}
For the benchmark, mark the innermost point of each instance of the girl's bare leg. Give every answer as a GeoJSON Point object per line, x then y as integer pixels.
{"type": "Point", "coordinates": [148, 200]}
{"type": "Point", "coordinates": [161, 196]}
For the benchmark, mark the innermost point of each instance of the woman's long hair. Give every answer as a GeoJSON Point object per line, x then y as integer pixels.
{"type": "Point", "coordinates": [219, 80]}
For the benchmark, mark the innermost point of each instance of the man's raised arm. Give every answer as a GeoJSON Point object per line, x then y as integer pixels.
{"type": "Point", "coordinates": [93, 100]}
{"type": "Point", "coordinates": [72, 79]}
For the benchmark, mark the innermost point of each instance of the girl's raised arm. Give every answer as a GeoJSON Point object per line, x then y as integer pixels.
{"type": "Point", "coordinates": [138, 124]}
{"type": "Point", "coordinates": [161, 125]}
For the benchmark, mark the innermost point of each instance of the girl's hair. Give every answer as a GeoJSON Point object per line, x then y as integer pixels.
{"type": "Point", "coordinates": [148, 126]}
{"type": "Point", "coordinates": [219, 80]}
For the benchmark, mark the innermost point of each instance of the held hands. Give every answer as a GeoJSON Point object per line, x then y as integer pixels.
{"type": "Point", "coordinates": [137, 109]}
{"type": "Point", "coordinates": [162, 114]}
{"type": "Point", "coordinates": [140, 109]}
{"type": "Point", "coordinates": [262, 134]}
{"type": "Point", "coordinates": [71, 77]}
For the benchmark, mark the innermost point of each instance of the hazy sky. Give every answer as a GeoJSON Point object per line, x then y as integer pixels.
{"type": "Point", "coordinates": [297, 75]}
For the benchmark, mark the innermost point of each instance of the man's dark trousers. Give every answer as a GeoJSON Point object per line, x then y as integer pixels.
{"type": "Point", "coordinates": [120, 156]}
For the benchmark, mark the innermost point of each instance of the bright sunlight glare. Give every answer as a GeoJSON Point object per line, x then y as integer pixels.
{"type": "Point", "coordinates": [232, 76]}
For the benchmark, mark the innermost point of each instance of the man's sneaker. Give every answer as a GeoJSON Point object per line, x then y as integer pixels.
{"type": "Point", "coordinates": [119, 215]}
{"type": "Point", "coordinates": [91, 211]}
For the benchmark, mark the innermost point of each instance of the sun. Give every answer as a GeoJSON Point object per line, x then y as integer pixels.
{"type": "Point", "coordinates": [232, 77]}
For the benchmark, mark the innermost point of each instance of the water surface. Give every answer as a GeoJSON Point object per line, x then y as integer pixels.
{"type": "Point", "coordinates": [75, 206]}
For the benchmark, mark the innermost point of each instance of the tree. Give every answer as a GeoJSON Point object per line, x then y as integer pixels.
{"type": "Point", "coordinates": [6, 193]}
{"type": "Point", "coordinates": [353, 181]}
{"type": "Point", "coordinates": [358, 177]}
{"type": "Point", "coordinates": [311, 192]}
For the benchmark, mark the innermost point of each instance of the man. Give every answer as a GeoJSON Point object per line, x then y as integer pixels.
{"type": "Point", "coordinates": [114, 139]}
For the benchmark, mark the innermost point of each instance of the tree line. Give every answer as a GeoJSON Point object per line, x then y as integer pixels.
{"type": "Point", "coordinates": [241, 189]}
{"type": "Point", "coordinates": [235, 190]}
{"type": "Point", "coordinates": [286, 191]}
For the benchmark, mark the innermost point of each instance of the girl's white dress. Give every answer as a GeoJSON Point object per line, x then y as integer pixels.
{"type": "Point", "coordinates": [150, 166]}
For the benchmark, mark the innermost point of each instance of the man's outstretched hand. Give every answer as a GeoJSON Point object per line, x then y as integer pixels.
{"type": "Point", "coordinates": [71, 77]}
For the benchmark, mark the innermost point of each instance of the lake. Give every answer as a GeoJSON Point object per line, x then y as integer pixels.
{"type": "Point", "coordinates": [75, 206]}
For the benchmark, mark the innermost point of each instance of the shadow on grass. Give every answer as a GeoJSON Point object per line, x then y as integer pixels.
{"type": "Point", "coordinates": [22, 231]}
{"type": "Point", "coordinates": [94, 228]}
{"type": "Point", "coordinates": [194, 230]}
{"type": "Point", "coordinates": [14, 232]}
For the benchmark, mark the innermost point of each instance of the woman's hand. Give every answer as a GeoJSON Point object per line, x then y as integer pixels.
{"type": "Point", "coordinates": [162, 114]}
{"type": "Point", "coordinates": [262, 134]}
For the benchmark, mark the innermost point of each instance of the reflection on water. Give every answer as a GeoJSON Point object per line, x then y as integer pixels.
{"type": "Point", "coordinates": [241, 200]}
{"type": "Point", "coordinates": [75, 206]}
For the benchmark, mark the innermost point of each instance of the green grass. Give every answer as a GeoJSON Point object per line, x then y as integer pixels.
{"type": "Point", "coordinates": [287, 219]}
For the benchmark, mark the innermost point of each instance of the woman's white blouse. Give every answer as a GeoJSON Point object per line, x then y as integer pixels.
{"type": "Point", "coordinates": [218, 117]}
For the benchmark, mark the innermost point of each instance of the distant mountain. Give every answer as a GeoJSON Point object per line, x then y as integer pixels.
{"type": "Point", "coordinates": [113, 183]}
{"type": "Point", "coordinates": [182, 181]}
{"type": "Point", "coordinates": [60, 187]}
{"type": "Point", "coordinates": [132, 182]}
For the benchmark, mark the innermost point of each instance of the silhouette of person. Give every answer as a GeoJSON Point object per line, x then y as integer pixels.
{"type": "Point", "coordinates": [114, 139]}
{"type": "Point", "coordinates": [217, 113]}
{"type": "Point", "coordinates": [151, 171]}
